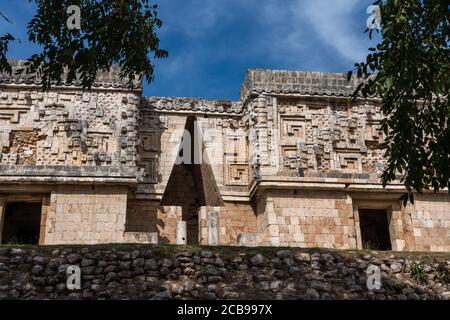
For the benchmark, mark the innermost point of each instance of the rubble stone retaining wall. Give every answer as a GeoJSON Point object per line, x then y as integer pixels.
{"type": "Point", "coordinates": [185, 272]}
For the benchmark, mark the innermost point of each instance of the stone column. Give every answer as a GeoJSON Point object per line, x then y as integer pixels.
{"type": "Point", "coordinates": [408, 230]}
{"type": "Point", "coordinates": [43, 224]}
{"type": "Point", "coordinates": [181, 232]}
{"type": "Point", "coordinates": [176, 213]}
{"type": "Point", "coordinates": [274, 234]}
{"type": "Point", "coordinates": [208, 221]}
{"type": "Point", "coordinates": [263, 131]}
{"type": "Point", "coordinates": [359, 244]}
{"type": "Point", "coordinates": [202, 226]}
{"type": "Point", "coordinates": [352, 227]}
{"type": "Point", "coordinates": [213, 228]}
{"type": "Point", "coordinates": [396, 228]}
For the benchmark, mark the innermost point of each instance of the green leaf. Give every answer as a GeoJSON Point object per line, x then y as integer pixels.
{"type": "Point", "coordinates": [411, 69]}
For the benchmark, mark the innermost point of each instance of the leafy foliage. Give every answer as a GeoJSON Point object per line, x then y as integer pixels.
{"type": "Point", "coordinates": [409, 70]}
{"type": "Point", "coordinates": [119, 32]}
{"type": "Point", "coordinates": [4, 41]}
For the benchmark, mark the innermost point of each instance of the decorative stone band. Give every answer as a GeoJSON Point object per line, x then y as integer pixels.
{"type": "Point", "coordinates": [256, 81]}
{"type": "Point", "coordinates": [300, 82]}
{"type": "Point", "coordinates": [328, 181]}
{"type": "Point", "coordinates": [192, 105]}
{"type": "Point", "coordinates": [67, 174]}
{"type": "Point", "coordinates": [104, 79]}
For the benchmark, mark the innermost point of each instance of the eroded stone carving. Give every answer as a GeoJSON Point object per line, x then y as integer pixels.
{"type": "Point", "coordinates": [106, 157]}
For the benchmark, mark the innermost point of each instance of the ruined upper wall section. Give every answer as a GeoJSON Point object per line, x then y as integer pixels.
{"type": "Point", "coordinates": [192, 105]}
{"type": "Point", "coordinates": [298, 82]}
{"type": "Point", "coordinates": [104, 79]}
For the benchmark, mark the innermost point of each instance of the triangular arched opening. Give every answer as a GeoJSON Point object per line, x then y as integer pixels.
{"type": "Point", "coordinates": [191, 184]}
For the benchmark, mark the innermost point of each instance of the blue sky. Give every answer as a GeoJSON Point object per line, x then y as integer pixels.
{"type": "Point", "coordinates": [212, 43]}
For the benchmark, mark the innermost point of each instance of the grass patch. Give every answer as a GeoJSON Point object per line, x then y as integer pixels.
{"type": "Point", "coordinates": [442, 273]}
{"type": "Point", "coordinates": [369, 246]}
{"type": "Point", "coordinates": [418, 273]}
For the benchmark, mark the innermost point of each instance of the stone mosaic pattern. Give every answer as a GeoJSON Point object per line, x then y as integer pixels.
{"type": "Point", "coordinates": [289, 164]}
{"type": "Point", "coordinates": [69, 128]}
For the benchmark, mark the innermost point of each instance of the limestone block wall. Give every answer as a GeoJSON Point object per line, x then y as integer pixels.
{"type": "Point", "coordinates": [263, 208]}
{"type": "Point", "coordinates": [430, 219]}
{"type": "Point", "coordinates": [331, 220]}
{"type": "Point", "coordinates": [141, 216]}
{"type": "Point", "coordinates": [86, 215]}
{"type": "Point", "coordinates": [307, 219]}
{"type": "Point", "coordinates": [289, 128]}
{"type": "Point", "coordinates": [148, 216]}
{"type": "Point", "coordinates": [234, 218]}
{"type": "Point", "coordinates": [44, 215]}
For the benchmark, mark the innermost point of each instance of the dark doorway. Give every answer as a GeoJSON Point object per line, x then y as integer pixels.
{"type": "Point", "coordinates": [374, 229]}
{"type": "Point", "coordinates": [21, 223]}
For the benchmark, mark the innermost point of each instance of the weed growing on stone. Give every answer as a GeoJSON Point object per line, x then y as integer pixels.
{"type": "Point", "coordinates": [418, 273]}
{"type": "Point", "coordinates": [443, 274]}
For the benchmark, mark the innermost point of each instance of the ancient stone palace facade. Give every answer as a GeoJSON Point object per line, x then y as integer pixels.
{"type": "Point", "coordinates": [294, 163]}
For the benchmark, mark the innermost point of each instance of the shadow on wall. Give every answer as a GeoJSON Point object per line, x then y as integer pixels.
{"type": "Point", "coordinates": [191, 186]}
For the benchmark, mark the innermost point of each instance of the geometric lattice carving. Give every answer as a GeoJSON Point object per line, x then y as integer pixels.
{"type": "Point", "coordinates": [293, 127]}
{"type": "Point", "coordinates": [150, 174]}
{"type": "Point", "coordinates": [350, 162]}
{"type": "Point", "coordinates": [238, 173]}
{"type": "Point", "coordinates": [149, 142]}
{"type": "Point", "coordinates": [321, 137]}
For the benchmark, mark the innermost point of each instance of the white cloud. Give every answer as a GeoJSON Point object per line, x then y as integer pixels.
{"type": "Point", "coordinates": [334, 21]}
{"type": "Point", "coordinates": [294, 27]}
{"type": "Point", "coordinates": [206, 38]}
